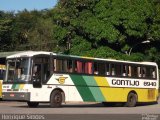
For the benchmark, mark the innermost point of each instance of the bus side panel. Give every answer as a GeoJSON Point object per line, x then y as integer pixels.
{"type": "Point", "coordinates": [147, 95]}
{"type": "Point", "coordinates": [87, 88]}
{"type": "Point", "coordinates": [73, 94]}
{"type": "Point", "coordinates": [99, 89]}
{"type": "Point", "coordinates": [40, 94]}
{"type": "Point", "coordinates": [120, 94]}
{"type": "Point", "coordinates": [56, 82]}
{"type": "Point", "coordinates": [94, 89]}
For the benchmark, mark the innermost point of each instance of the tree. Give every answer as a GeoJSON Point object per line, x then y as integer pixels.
{"type": "Point", "coordinates": [32, 30]}
{"type": "Point", "coordinates": [24, 21]}
{"type": "Point", "coordinates": [5, 30]}
{"type": "Point", "coordinates": [27, 30]}
{"type": "Point", "coordinates": [40, 38]}
{"type": "Point", "coordinates": [155, 26]}
{"type": "Point", "coordinates": [97, 28]}
{"type": "Point", "coordinates": [104, 25]}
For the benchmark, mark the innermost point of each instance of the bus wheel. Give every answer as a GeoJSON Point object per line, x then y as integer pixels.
{"type": "Point", "coordinates": [56, 99]}
{"type": "Point", "coordinates": [32, 104]}
{"type": "Point", "coordinates": [131, 100]}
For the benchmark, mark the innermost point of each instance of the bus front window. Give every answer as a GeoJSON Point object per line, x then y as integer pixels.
{"type": "Point", "coordinates": [18, 70]}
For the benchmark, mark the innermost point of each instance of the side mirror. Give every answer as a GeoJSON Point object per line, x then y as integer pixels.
{"type": "Point", "coordinates": [36, 82]}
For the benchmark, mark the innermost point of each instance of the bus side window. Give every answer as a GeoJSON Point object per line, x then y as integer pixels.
{"type": "Point", "coordinates": [78, 66]}
{"type": "Point", "coordinates": [113, 69]}
{"type": "Point", "coordinates": [95, 68]}
{"type": "Point", "coordinates": [107, 65]}
{"type": "Point", "coordinates": [59, 64]}
{"type": "Point", "coordinates": [143, 72]}
{"type": "Point", "coordinates": [150, 73]}
{"type": "Point", "coordinates": [124, 70]}
{"type": "Point", "coordinates": [54, 65]}
{"type": "Point", "coordinates": [70, 66]}
{"type": "Point", "coordinates": [75, 67]}
{"type": "Point", "coordinates": [118, 69]}
{"type": "Point", "coordinates": [129, 71]}
{"type": "Point", "coordinates": [139, 72]}
{"type": "Point", "coordinates": [101, 68]}
{"type": "Point", "coordinates": [65, 65]}
{"type": "Point", "coordinates": [134, 71]}
{"type": "Point", "coordinates": [153, 72]}
{"type": "Point", "coordinates": [88, 67]}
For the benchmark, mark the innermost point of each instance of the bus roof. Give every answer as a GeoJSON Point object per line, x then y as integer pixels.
{"type": "Point", "coordinates": [33, 53]}
{"type": "Point", "coordinates": [108, 59]}
{"type": "Point", "coordinates": [28, 54]}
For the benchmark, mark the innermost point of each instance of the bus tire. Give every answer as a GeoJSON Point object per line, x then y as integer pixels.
{"type": "Point", "coordinates": [56, 99]}
{"type": "Point", "coordinates": [33, 104]}
{"type": "Point", "coordinates": [131, 100]}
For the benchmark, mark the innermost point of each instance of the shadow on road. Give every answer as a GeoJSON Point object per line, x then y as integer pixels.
{"type": "Point", "coordinates": [146, 104]}
{"type": "Point", "coordinates": [84, 105]}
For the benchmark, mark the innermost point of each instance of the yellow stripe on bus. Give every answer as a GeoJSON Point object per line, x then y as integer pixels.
{"type": "Point", "coordinates": [21, 86]}
{"type": "Point", "coordinates": [102, 81]}
{"type": "Point", "coordinates": [88, 57]}
{"type": "Point", "coordinates": [120, 94]}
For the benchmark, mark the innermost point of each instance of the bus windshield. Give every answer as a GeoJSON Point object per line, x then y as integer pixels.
{"type": "Point", "coordinates": [18, 70]}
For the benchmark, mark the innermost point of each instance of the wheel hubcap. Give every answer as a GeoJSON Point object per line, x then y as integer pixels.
{"type": "Point", "coordinates": [57, 98]}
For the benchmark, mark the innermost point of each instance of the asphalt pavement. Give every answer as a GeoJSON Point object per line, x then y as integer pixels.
{"type": "Point", "coordinates": [87, 111]}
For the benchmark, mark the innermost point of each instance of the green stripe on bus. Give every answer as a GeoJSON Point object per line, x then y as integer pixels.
{"type": "Point", "coordinates": [14, 86]}
{"type": "Point", "coordinates": [94, 88]}
{"type": "Point", "coordinates": [17, 86]}
{"type": "Point", "coordinates": [82, 88]}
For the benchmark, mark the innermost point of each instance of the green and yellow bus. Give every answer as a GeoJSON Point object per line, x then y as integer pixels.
{"type": "Point", "coordinates": [55, 78]}
{"type": "Point", "coordinates": [2, 72]}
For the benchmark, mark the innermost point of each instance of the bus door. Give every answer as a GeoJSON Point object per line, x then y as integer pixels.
{"type": "Point", "coordinates": [40, 71]}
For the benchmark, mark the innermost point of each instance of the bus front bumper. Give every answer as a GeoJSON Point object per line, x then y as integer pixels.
{"type": "Point", "coordinates": [20, 96]}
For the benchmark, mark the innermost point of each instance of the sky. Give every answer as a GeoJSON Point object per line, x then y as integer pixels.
{"type": "Point", "coordinates": [19, 5]}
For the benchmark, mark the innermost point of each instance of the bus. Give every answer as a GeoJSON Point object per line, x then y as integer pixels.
{"type": "Point", "coordinates": [46, 77]}
{"type": "Point", "coordinates": [2, 71]}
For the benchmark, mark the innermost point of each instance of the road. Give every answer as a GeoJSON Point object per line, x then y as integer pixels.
{"type": "Point", "coordinates": [77, 111]}
{"type": "Point", "coordinates": [76, 108]}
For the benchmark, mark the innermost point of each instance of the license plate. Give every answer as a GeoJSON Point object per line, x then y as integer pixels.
{"type": "Point", "coordinates": [11, 95]}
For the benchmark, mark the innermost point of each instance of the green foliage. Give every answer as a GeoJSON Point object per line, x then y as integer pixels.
{"type": "Point", "coordinates": [40, 38]}
{"type": "Point", "coordinates": [27, 30]}
{"type": "Point", "coordinates": [5, 30]}
{"type": "Point", "coordinates": [155, 28]}
{"type": "Point", "coordinates": [96, 28]}
{"type": "Point", "coordinates": [99, 26]}
{"type": "Point", "coordinates": [153, 55]}
{"type": "Point", "coordinates": [80, 46]}
{"type": "Point", "coordinates": [23, 22]}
